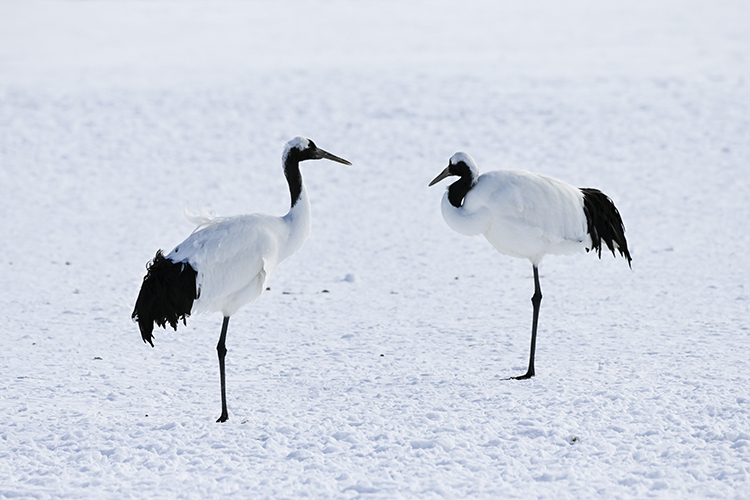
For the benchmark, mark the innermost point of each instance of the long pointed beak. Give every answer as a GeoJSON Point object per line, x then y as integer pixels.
{"type": "Point", "coordinates": [328, 156]}
{"type": "Point", "coordinates": [445, 173]}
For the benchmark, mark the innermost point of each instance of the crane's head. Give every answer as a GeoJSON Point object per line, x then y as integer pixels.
{"type": "Point", "coordinates": [462, 165]}
{"type": "Point", "coordinates": [301, 149]}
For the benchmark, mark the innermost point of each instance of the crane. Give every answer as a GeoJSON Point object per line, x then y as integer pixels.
{"type": "Point", "coordinates": [529, 215]}
{"type": "Point", "coordinates": [227, 261]}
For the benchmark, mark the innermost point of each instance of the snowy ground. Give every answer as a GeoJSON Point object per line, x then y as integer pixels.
{"type": "Point", "coordinates": [388, 384]}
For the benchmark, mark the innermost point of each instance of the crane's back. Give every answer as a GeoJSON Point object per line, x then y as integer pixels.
{"type": "Point", "coordinates": [530, 215]}
{"type": "Point", "coordinates": [234, 257]}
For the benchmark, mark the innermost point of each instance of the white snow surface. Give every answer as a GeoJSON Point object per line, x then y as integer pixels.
{"type": "Point", "coordinates": [375, 365]}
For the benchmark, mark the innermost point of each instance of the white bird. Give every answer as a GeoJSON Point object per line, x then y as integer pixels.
{"type": "Point", "coordinates": [529, 216]}
{"type": "Point", "coordinates": [227, 261]}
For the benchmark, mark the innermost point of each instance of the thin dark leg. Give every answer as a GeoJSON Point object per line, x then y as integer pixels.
{"type": "Point", "coordinates": [221, 348]}
{"type": "Point", "coordinates": [536, 300]}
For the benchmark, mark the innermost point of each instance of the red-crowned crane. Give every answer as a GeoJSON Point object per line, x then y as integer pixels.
{"type": "Point", "coordinates": [227, 261]}
{"type": "Point", "coordinates": [529, 216]}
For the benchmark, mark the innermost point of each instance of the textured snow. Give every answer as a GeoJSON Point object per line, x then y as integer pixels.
{"type": "Point", "coordinates": [374, 366]}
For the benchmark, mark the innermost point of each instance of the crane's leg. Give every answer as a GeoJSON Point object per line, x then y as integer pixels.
{"type": "Point", "coordinates": [221, 348]}
{"type": "Point", "coordinates": [536, 301]}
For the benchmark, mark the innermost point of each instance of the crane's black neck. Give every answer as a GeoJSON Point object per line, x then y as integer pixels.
{"type": "Point", "coordinates": [459, 189]}
{"type": "Point", "coordinates": [293, 178]}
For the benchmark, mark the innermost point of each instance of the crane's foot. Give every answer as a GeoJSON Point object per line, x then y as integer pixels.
{"type": "Point", "coordinates": [525, 376]}
{"type": "Point", "coordinates": [223, 418]}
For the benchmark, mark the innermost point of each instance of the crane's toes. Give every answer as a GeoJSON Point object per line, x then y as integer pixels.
{"type": "Point", "coordinates": [223, 418]}
{"type": "Point", "coordinates": [523, 377]}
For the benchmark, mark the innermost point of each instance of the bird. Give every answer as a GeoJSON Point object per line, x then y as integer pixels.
{"type": "Point", "coordinates": [529, 216]}
{"type": "Point", "coordinates": [227, 261]}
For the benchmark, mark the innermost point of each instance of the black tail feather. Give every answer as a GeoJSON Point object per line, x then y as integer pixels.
{"type": "Point", "coordinates": [604, 223]}
{"type": "Point", "coordinates": [167, 295]}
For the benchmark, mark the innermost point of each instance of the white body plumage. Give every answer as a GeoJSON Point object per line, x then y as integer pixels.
{"type": "Point", "coordinates": [236, 256]}
{"type": "Point", "coordinates": [521, 214]}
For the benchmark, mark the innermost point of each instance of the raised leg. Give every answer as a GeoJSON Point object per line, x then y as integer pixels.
{"type": "Point", "coordinates": [221, 349]}
{"type": "Point", "coordinates": [536, 301]}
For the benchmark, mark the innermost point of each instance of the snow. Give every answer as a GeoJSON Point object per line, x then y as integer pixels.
{"type": "Point", "coordinates": [375, 365]}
